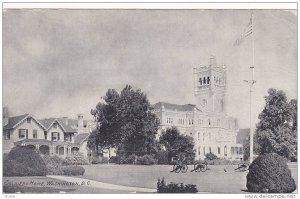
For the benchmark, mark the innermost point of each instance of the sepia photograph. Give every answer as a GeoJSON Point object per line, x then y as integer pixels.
{"type": "Point", "coordinates": [134, 99]}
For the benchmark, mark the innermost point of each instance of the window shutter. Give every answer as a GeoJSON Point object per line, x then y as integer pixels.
{"type": "Point", "coordinates": [26, 133]}
{"type": "Point", "coordinates": [58, 136]}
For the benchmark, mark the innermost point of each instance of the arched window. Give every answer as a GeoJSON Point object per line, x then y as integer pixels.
{"type": "Point", "coordinates": [200, 80]}
{"type": "Point", "coordinates": [225, 150]}
{"type": "Point", "coordinates": [204, 80]}
{"type": "Point", "coordinates": [208, 80]}
{"type": "Point", "coordinates": [199, 150]}
{"type": "Point", "coordinates": [209, 149]}
{"type": "Point", "coordinates": [198, 136]}
{"type": "Point", "coordinates": [203, 136]}
{"type": "Point", "coordinates": [203, 150]}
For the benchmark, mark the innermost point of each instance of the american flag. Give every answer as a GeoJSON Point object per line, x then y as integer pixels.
{"type": "Point", "coordinates": [245, 33]}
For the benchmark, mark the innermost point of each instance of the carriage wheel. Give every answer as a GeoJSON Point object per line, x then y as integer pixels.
{"type": "Point", "coordinates": [184, 168]}
{"type": "Point", "coordinates": [174, 167]}
{"type": "Point", "coordinates": [197, 167]}
{"type": "Point", "coordinates": [243, 166]}
{"type": "Point", "coordinates": [177, 168]}
{"type": "Point", "coordinates": [203, 167]}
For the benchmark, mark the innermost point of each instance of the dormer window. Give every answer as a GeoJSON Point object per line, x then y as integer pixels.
{"type": "Point", "coordinates": [29, 120]}
{"type": "Point", "coordinates": [55, 125]}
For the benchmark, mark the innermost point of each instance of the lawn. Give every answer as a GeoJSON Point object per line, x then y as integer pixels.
{"type": "Point", "coordinates": [218, 179]}
{"type": "Point", "coordinates": [214, 180]}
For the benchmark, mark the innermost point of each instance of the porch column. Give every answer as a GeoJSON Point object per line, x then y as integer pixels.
{"type": "Point", "coordinates": [69, 151]}
{"type": "Point", "coordinates": [65, 150]}
{"type": "Point", "coordinates": [37, 147]}
{"type": "Point", "coordinates": [53, 150]}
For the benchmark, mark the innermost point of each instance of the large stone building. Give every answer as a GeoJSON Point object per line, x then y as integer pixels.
{"type": "Point", "coordinates": [207, 122]}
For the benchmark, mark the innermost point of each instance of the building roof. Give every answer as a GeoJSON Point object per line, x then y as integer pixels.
{"type": "Point", "coordinates": [169, 106]}
{"type": "Point", "coordinates": [70, 125]}
{"type": "Point", "coordinates": [242, 135]}
{"type": "Point", "coordinates": [81, 137]}
{"type": "Point", "coordinates": [12, 121]}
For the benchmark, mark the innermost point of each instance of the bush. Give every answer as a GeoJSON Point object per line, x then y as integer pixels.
{"type": "Point", "coordinates": [53, 164]}
{"type": "Point", "coordinates": [113, 159]}
{"type": "Point", "coordinates": [269, 173]}
{"type": "Point", "coordinates": [73, 170]}
{"type": "Point", "coordinates": [162, 157]}
{"type": "Point", "coordinates": [210, 156]}
{"type": "Point", "coordinates": [23, 161]}
{"type": "Point", "coordinates": [75, 159]}
{"type": "Point", "coordinates": [146, 160]}
{"type": "Point", "coordinates": [131, 159]}
{"type": "Point", "coordinates": [100, 160]}
{"type": "Point", "coordinates": [162, 187]}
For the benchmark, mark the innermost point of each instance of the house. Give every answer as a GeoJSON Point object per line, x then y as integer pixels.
{"type": "Point", "coordinates": [53, 136]}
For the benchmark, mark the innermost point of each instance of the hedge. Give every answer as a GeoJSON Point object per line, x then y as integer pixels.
{"type": "Point", "coordinates": [269, 173]}
{"type": "Point", "coordinates": [23, 161]}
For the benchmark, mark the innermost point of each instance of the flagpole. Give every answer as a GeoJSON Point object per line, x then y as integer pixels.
{"type": "Point", "coordinates": [251, 91]}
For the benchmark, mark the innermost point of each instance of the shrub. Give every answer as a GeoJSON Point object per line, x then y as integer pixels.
{"type": "Point", "coordinates": [113, 159]}
{"type": "Point", "coordinates": [100, 160]}
{"type": "Point", "coordinates": [131, 159]}
{"type": "Point", "coordinates": [162, 157]}
{"type": "Point", "coordinates": [162, 187]}
{"type": "Point", "coordinates": [23, 161]}
{"type": "Point", "coordinates": [146, 160]}
{"type": "Point", "coordinates": [210, 156]}
{"type": "Point", "coordinates": [75, 159]}
{"type": "Point", "coordinates": [53, 164]}
{"type": "Point", "coordinates": [73, 170]}
{"type": "Point", "coordinates": [269, 173]}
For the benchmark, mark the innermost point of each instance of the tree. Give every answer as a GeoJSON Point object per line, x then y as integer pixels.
{"type": "Point", "coordinates": [177, 145]}
{"type": "Point", "coordinates": [125, 122]}
{"type": "Point", "coordinates": [275, 129]}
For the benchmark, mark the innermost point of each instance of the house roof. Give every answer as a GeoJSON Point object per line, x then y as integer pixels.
{"type": "Point", "coordinates": [81, 137]}
{"type": "Point", "coordinates": [242, 135]}
{"type": "Point", "coordinates": [12, 121]}
{"type": "Point", "coordinates": [169, 106]}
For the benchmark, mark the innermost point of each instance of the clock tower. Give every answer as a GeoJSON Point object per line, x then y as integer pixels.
{"type": "Point", "coordinates": [210, 87]}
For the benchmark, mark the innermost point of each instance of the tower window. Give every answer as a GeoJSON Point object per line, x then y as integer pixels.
{"type": "Point", "coordinates": [204, 80]}
{"type": "Point", "coordinates": [209, 122]}
{"type": "Point", "coordinates": [209, 149]}
{"type": "Point", "coordinates": [219, 150]}
{"type": "Point", "coordinates": [200, 80]}
{"type": "Point", "coordinates": [208, 80]}
{"type": "Point", "coordinates": [199, 150]}
{"type": "Point", "coordinates": [198, 136]}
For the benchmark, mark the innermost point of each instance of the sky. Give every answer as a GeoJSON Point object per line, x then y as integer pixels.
{"type": "Point", "coordinates": [59, 62]}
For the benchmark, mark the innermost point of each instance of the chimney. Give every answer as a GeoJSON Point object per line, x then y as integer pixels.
{"type": "Point", "coordinates": [65, 119]}
{"type": "Point", "coordinates": [213, 60]}
{"type": "Point", "coordinates": [5, 116]}
{"type": "Point", "coordinates": [80, 122]}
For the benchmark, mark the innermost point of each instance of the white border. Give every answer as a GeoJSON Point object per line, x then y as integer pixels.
{"type": "Point", "coordinates": [92, 5]}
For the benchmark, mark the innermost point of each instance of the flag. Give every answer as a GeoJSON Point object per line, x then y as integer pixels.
{"type": "Point", "coordinates": [245, 33]}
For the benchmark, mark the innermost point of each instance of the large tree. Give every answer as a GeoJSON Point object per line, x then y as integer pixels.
{"type": "Point", "coordinates": [125, 122]}
{"type": "Point", "coordinates": [177, 144]}
{"type": "Point", "coordinates": [276, 129]}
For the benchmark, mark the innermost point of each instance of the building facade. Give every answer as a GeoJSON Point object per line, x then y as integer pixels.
{"type": "Point", "coordinates": [53, 136]}
{"type": "Point", "coordinates": [207, 122]}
